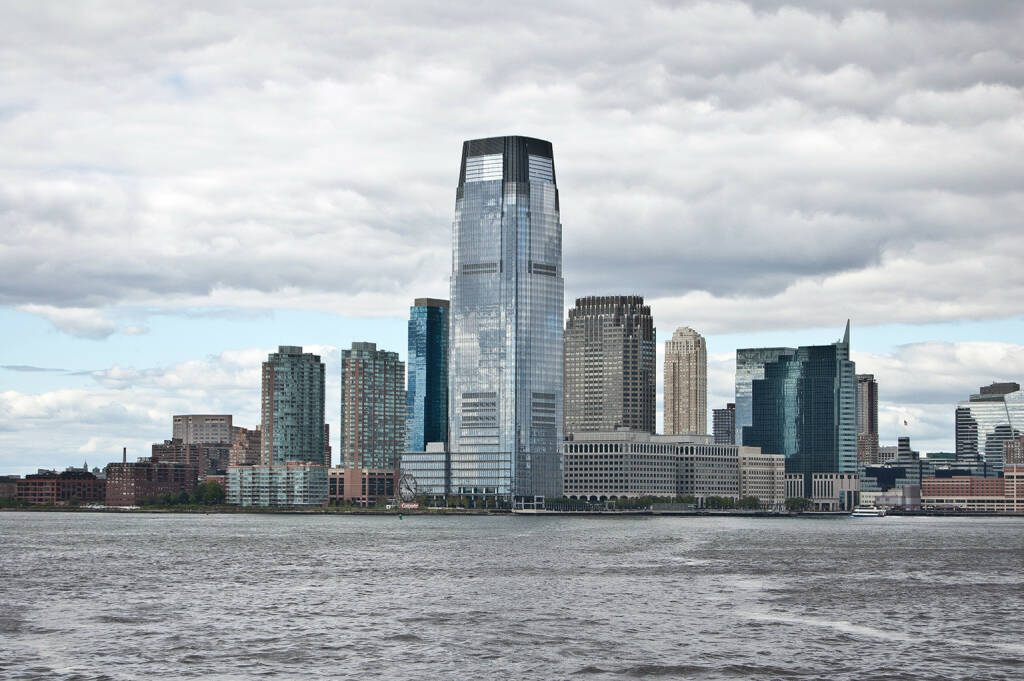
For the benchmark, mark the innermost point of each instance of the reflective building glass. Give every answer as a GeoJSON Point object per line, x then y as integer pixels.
{"type": "Point", "coordinates": [805, 407]}
{"type": "Point", "coordinates": [505, 371]}
{"type": "Point", "coordinates": [426, 398]}
{"type": "Point", "coordinates": [750, 367]}
{"type": "Point", "coordinates": [986, 421]}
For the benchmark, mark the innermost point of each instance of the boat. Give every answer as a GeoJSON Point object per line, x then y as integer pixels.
{"type": "Point", "coordinates": [868, 512]}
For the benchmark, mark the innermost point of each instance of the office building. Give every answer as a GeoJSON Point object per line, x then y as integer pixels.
{"type": "Point", "coordinates": [201, 429]}
{"type": "Point", "coordinates": [363, 487]}
{"type": "Point", "coordinates": [686, 383]}
{"type": "Point", "coordinates": [610, 364]}
{"type": "Point", "coordinates": [292, 427]}
{"type": "Point", "coordinates": [431, 469]}
{"type": "Point", "coordinates": [723, 424]}
{"type": "Point", "coordinates": [805, 407]}
{"type": "Point", "coordinates": [505, 373]}
{"type": "Point", "coordinates": [372, 407]}
{"type": "Point", "coordinates": [750, 367]}
{"type": "Point", "coordinates": [426, 399]}
{"type": "Point", "coordinates": [601, 466]}
{"type": "Point", "coordinates": [867, 419]}
{"type": "Point", "coordinates": [986, 421]}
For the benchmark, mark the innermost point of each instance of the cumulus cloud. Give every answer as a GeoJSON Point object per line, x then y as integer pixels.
{"type": "Point", "coordinates": [739, 162]}
{"type": "Point", "coordinates": [132, 407]}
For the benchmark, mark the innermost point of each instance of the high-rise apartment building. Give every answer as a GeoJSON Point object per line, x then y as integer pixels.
{"type": "Point", "coordinates": [749, 368]}
{"type": "Point", "coordinates": [610, 348]}
{"type": "Point", "coordinates": [867, 419]}
{"type": "Point", "coordinates": [505, 372]}
{"type": "Point", "coordinates": [372, 407]}
{"type": "Point", "coordinates": [202, 429]}
{"type": "Point", "coordinates": [805, 407]}
{"type": "Point", "coordinates": [686, 383]}
{"type": "Point", "coordinates": [988, 420]}
{"type": "Point", "coordinates": [292, 407]}
{"type": "Point", "coordinates": [426, 399]}
{"type": "Point", "coordinates": [723, 424]}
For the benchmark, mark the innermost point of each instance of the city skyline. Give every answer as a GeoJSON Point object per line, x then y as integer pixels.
{"type": "Point", "coordinates": [308, 203]}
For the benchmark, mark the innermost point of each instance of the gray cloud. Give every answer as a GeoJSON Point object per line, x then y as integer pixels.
{"type": "Point", "coordinates": [739, 163]}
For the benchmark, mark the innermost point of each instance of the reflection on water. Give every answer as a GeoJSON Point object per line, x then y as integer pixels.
{"type": "Point", "coordinates": [90, 596]}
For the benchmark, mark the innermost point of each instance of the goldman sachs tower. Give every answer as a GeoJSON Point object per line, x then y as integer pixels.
{"type": "Point", "coordinates": [505, 362]}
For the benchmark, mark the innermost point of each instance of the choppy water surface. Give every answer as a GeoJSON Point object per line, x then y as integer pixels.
{"type": "Point", "coordinates": [97, 596]}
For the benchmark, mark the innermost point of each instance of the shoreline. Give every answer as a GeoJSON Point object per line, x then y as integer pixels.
{"type": "Point", "coordinates": [493, 512]}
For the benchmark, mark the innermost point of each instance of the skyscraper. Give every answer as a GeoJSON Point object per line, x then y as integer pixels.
{"type": "Point", "coordinates": [750, 367]}
{"type": "Point", "coordinates": [372, 407]}
{"type": "Point", "coordinates": [723, 424]}
{"type": "Point", "coordinates": [426, 399]}
{"type": "Point", "coordinates": [805, 407]}
{"type": "Point", "coordinates": [986, 421]}
{"type": "Point", "coordinates": [686, 383]}
{"type": "Point", "coordinates": [867, 419]}
{"type": "Point", "coordinates": [505, 372]}
{"type": "Point", "coordinates": [610, 362]}
{"type": "Point", "coordinates": [292, 411]}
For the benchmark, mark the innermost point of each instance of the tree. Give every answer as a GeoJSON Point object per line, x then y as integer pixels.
{"type": "Point", "coordinates": [749, 503]}
{"type": "Point", "coordinates": [719, 502]}
{"type": "Point", "coordinates": [798, 504]}
{"type": "Point", "coordinates": [213, 494]}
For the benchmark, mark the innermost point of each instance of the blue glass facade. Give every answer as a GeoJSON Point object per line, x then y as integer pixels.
{"type": "Point", "coordinates": [750, 367]}
{"type": "Point", "coordinates": [426, 399]}
{"type": "Point", "coordinates": [805, 407]}
{"type": "Point", "coordinates": [986, 421]}
{"type": "Point", "coordinates": [505, 374]}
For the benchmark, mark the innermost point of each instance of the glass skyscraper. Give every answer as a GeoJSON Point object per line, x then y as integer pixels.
{"type": "Point", "coordinates": [426, 397]}
{"type": "Point", "coordinates": [805, 407]}
{"type": "Point", "coordinates": [984, 422]}
{"type": "Point", "coordinates": [750, 367]}
{"type": "Point", "coordinates": [505, 372]}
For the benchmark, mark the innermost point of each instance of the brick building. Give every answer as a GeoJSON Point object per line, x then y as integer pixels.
{"type": "Point", "coordinates": [128, 484]}
{"type": "Point", "coordinates": [361, 486]}
{"type": "Point", "coordinates": [60, 489]}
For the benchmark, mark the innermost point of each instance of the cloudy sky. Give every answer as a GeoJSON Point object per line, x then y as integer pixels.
{"type": "Point", "coordinates": [183, 187]}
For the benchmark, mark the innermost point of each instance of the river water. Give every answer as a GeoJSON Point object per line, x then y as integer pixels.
{"type": "Point", "coordinates": [132, 596]}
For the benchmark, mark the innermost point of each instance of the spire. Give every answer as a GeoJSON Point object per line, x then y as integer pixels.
{"type": "Point", "coordinates": [846, 335]}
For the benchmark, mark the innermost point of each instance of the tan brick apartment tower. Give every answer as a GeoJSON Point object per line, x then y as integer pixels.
{"type": "Point", "coordinates": [686, 383]}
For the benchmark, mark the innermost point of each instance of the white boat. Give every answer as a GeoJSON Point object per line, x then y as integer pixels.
{"type": "Point", "coordinates": [868, 512]}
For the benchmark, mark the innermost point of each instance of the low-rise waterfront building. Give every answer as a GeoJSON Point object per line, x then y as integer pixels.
{"type": "Point", "coordinates": [829, 491]}
{"type": "Point", "coordinates": [432, 469]}
{"type": "Point", "coordinates": [129, 484]}
{"type": "Point", "coordinates": [60, 489]}
{"type": "Point", "coordinates": [598, 466]}
{"type": "Point", "coordinates": [9, 486]}
{"type": "Point", "coordinates": [364, 487]}
{"type": "Point", "coordinates": [977, 494]}
{"type": "Point", "coordinates": [294, 483]}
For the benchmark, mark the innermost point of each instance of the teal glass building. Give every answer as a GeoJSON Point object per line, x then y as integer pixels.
{"type": "Point", "coordinates": [505, 373]}
{"type": "Point", "coordinates": [805, 408]}
{"type": "Point", "coordinates": [426, 398]}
